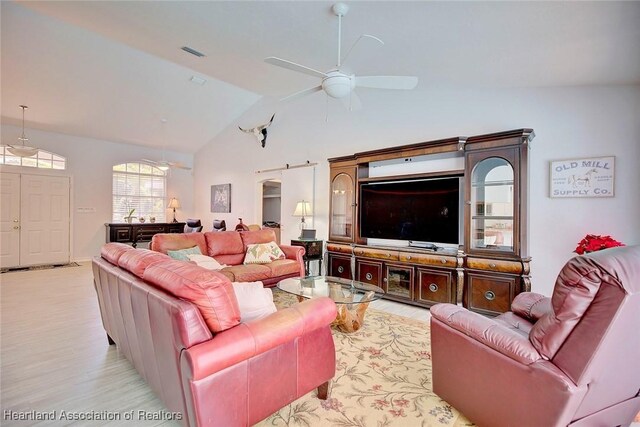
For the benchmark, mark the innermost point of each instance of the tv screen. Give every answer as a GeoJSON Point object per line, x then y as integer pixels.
{"type": "Point", "coordinates": [424, 210]}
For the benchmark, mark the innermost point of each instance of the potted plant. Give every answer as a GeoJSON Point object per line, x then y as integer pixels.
{"type": "Point", "coordinates": [129, 218]}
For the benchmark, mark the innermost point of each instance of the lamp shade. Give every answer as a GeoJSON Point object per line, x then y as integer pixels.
{"type": "Point", "coordinates": [174, 203]}
{"type": "Point", "coordinates": [302, 209]}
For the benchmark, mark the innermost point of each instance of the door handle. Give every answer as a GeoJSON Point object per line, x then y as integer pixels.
{"type": "Point", "coordinates": [16, 220]}
{"type": "Point", "coordinates": [16, 227]}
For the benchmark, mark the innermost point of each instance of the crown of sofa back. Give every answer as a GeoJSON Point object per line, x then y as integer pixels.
{"type": "Point", "coordinates": [227, 247]}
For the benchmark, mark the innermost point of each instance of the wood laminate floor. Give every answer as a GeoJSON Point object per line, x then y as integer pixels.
{"type": "Point", "coordinates": [54, 354]}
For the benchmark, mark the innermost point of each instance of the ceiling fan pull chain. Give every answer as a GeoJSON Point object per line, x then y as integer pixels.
{"type": "Point", "coordinates": [326, 112]}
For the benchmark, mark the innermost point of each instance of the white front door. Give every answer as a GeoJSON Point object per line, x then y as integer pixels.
{"type": "Point", "coordinates": [44, 233]}
{"type": "Point", "coordinates": [9, 220]}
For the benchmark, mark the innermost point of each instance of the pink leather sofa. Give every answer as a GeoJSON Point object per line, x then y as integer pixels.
{"type": "Point", "coordinates": [572, 359]}
{"type": "Point", "coordinates": [229, 247]}
{"type": "Point", "coordinates": [179, 326]}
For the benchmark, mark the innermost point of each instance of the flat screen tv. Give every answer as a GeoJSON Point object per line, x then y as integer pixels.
{"type": "Point", "coordinates": [422, 210]}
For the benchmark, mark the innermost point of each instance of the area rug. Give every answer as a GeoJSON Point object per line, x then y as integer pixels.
{"type": "Point", "coordinates": [383, 378]}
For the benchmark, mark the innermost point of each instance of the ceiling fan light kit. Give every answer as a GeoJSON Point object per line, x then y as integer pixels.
{"type": "Point", "coordinates": [337, 84]}
{"type": "Point", "coordinates": [22, 150]}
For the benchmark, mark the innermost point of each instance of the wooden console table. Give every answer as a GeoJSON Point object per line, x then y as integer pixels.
{"type": "Point", "coordinates": [140, 232]}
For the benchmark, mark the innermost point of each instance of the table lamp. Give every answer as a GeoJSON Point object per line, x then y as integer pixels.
{"type": "Point", "coordinates": [303, 209]}
{"type": "Point", "coordinates": [174, 203]}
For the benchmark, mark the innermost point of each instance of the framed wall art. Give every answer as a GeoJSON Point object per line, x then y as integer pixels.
{"type": "Point", "coordinates": [589, 177]}
{"type": "Point", "coordinates": [221, 198]}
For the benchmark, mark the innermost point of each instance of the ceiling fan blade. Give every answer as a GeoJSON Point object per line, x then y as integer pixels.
{"type": "Point", "coordinates": [302, 93]}
{"type": "Point", "coordinates": [387, 82]}
{"type": "Point", "coordinates": [352, 101]}
{"type": "Point", "coordinates": [294, 67]}
{"type": "Point", "coordinates": [179, 165]}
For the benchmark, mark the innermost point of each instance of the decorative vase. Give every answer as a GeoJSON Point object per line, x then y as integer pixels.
{"type": "Point", "coordinates": [152, 219]}
{"type": "Point", "coordinates": [128, 219]}
{"type": "Point", "coordinates": [141, 219]}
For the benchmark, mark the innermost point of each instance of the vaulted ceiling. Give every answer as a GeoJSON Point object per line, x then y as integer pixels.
{"type": "Point", "coordinates": [113, 70]}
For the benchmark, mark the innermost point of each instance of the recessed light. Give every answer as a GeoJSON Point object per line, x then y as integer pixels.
{"type": "Point", "coordinates": [197, 80]}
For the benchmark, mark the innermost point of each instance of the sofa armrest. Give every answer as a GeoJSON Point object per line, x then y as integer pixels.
{"type": "Point", "coordinates": [531, 306]}
{"type": "Point", "coordinates": [487, 332]}
{"type": "Point", "coordinates": [295, 253]}
{"type": "Point", "coordinates": [247, 340]}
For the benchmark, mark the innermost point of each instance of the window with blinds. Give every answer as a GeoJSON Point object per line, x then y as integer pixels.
{"type": "Point", "coordinates": [42, 160]}
{"type": "Point", "coordinates": [141, 187]}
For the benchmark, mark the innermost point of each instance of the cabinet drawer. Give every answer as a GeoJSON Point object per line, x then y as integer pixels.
{"type": "Point", "coordinates": [490, 293]}
{"type": "Point", "coordinates": [174, 228]}
{"type": "Point", "coordinates": [501, 266]}
{"type": "Point", "coordinates": [377, 253]}
{"type": "Point", "coordinates": [147, 232]}
{"type": "Point", "coordinates": [314, 249]}
{"type": "Point", "coordinates": [343, 249]}
{"type": "Point", "coordinates": [435, 286]}
{"type": "Point", "coordinates": [121, 234]}
{"type": "Point", "coordinates": [428, 259]}
{"type": "Point", "coordinates": [340, 266]}
{"type": "Point", "coordinates": [369, 272]}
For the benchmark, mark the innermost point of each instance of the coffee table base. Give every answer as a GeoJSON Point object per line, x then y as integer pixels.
{"type": "Point", "coordinates": [350, 319]}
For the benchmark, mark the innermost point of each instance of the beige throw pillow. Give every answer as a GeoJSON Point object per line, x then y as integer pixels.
{"type": "Point", "coordinates": [254, 300]}
{"type": "Point", "coordinates": [205, 261]}
{"type": "Point", "coordinates": [263, 253]}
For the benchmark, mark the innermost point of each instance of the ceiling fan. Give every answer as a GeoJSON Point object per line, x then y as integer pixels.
{"type": "Point", "coordinates": [166, 165]}
{"type": "Point", "coordinates": [338, 84]}
{"type": "Point", "coordinates": [163, 164]}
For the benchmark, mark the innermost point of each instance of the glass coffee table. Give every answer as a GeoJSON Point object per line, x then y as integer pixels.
{"type": "Point", "coordinates": [351, 297]}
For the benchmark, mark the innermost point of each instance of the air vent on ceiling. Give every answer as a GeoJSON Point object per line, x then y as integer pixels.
{"type": "Point", "coordinates": [192, 51]}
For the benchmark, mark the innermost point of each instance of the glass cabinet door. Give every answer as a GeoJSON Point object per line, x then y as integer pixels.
{"type": "Point", "coordinates": [492, 205]}
{"type": "Point", "coordinates": [342, 203]}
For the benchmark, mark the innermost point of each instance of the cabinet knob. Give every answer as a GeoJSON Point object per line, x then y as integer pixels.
{"type": "Point", "coordinates": [340, 269]}
{"type": "Point", "coordinates": [409, 257]}
{"type": "Point", "coordinates": [368, 276]}
{"type": "Point", "coordinates": [492, 265]}
{"type": "Point", "coordinates": [16, 227]}
{"type": "Point", "coordinates": [16, 220]}
{"type": "Point", "coordinates": [385, 280]}
{"type": "Point", "coordinates": [444, 261]}
{"type": "Point", "coordinates": [388, 255]}
{"type": "Point", "coordinates": [433, 287]}
{"type": "Point", "coordinates": [489, 295]}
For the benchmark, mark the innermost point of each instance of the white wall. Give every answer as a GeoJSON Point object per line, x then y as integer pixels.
{"type": "Point", "coordinates": [568, 121]}
{"type": "Point", "coordinates": [89, 163]}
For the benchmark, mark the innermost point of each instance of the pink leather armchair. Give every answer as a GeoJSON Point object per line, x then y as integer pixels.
{"type": "Point", "coordinates": [572, 359]}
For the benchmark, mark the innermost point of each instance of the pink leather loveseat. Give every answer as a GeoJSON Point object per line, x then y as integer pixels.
{"type": "Point", "coordinates": [229, 247]}
{"type": "Point", "coordinates": [572, 359]}
{"type": "Point", "coordinates": [179, 326]}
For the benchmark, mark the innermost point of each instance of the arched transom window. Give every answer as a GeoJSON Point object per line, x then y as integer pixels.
{"type": "Point", "coordinates": [42, 159]}
{"type": "Point", "coordinates": [141, 187]}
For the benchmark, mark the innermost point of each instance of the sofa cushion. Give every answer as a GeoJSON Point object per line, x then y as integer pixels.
{"type": "Point", "coordinates": [113, 251]}
{"type": "Point", "coordinates": [284, 267]}
{"type": "Point", "coordinates": [183, 254]}
{"type": "Point", "coordinates": [205, 261]}
{"type": "Point", "coordinates": [254, 300]}
{"type": "Point", "coordinates": [248, 273]}
{"type": "Point", "coordinates": [164, 242]}
{"type": "Point", "coordinates": [223, 243]}
{"type": "Point", "coordinates": [265, 235]}
{"type": "Point", "coordinates": [138, 260]}
{"type": "Point", "coordinates": [208, 290]}
{"type": "Point", "coordinates": [263, 253]}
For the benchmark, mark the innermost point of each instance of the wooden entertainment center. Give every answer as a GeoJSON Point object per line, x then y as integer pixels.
{"type": "Point", "coordinates": [484, 273]}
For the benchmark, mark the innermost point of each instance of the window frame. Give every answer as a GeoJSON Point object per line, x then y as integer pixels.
{"type": "Point", "coordinates": [140, 191]}
{"type": "Point", "coordinates": [43, 159]}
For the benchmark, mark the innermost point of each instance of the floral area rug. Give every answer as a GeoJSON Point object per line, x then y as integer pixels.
{"type": "Point", "coordinates": [383, 378]}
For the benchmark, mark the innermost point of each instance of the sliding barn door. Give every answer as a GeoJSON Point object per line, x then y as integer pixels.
{"type": "Point", "coordinates": [44, 237]}
{"type": "Point", "coordinates": [9, 220]}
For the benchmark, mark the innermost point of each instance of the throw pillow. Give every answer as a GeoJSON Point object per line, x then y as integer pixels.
{"type": "Point", "coordinates": [205, 261]}
{"type": "Point", "coordinates": [263, 253]}
{"type": "Point", "coordinates": [254, 300]}
{"type": "Point", "coordinates": [183, 254]}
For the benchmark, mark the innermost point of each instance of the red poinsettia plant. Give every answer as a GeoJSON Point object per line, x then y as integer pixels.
{"type": "Point", "coordinates": [592, 243]}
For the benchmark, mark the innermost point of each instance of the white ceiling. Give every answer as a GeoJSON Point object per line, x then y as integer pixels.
{"type": "Point", "coordinates": [112, 70]}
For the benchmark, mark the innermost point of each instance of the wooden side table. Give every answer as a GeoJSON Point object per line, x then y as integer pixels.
{"type": "Point", "coordinates": [313, 252]}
